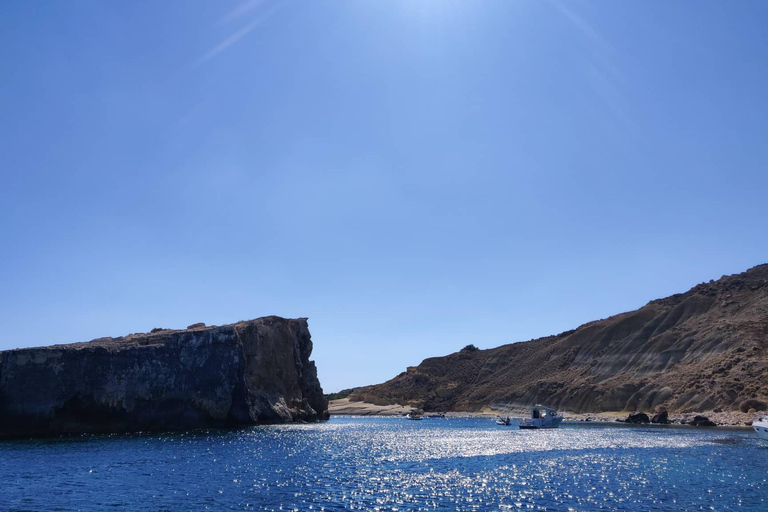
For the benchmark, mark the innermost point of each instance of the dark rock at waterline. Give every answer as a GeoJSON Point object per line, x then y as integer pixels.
{"type": "Point", "coordinates": [661, 418]}
{"type": "Point", "coordinates": [637, 417]}
{"type": "Point", "coordinates": [246, 373]}
{"type": "Point", "coordinates": [702, 421]}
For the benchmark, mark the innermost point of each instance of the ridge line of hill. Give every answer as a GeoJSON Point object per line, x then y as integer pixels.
{"type": "Point", "coordinates": [702, 350]}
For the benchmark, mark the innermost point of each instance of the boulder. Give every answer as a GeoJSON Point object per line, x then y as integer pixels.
{"type": "Point", "coordinates": [637, 417]}
{"type": "Point", "coordinates": [661, 418]}
{"type": "Point", "coordinates": [702, 421]}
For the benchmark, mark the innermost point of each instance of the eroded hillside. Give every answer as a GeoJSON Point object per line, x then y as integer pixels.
{"type": "Point", "coordinates": [705, 349]}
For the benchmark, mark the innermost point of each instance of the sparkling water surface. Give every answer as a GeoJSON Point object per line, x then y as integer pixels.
{"type": "Point", "coordinates": [391, 464]}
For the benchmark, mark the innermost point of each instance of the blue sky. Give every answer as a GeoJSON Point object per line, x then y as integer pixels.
{"type": "Point", "coordinates": [412, 175]}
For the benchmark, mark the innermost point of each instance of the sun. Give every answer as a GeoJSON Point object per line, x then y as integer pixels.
{"type": "Point", "coordinates": [432, 11]}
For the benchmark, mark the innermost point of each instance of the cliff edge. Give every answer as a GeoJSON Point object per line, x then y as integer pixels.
{"type": "Point", "coordinates": [703, 350]}
{"type": "Point", "coordinates": [251, 372]}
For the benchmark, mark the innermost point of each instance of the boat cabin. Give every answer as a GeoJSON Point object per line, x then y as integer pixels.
{"type": "Point", "coordinates": [542, 417]}
{"type": "Point", "coordinates": [539, 411]}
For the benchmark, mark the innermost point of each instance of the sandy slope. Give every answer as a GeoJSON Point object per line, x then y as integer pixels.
{"type": "Point", "coordinates": [343, 406]}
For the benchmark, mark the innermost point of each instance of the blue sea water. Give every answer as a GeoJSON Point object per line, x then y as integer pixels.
{"type": "Point", "coordinates": [391, 464]}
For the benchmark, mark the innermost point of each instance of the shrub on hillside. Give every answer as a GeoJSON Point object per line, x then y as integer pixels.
{"type": "Point", "coordinates": [757, 405]}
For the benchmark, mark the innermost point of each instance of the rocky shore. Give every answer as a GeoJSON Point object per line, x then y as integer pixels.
{"type": "Point", "coordinates": [344, 407]}
{"type": "Point", "coordinates": [721, 419]}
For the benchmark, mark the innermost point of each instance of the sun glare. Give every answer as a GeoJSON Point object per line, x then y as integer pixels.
{"type": "Point", "coordinates": [432, 11]}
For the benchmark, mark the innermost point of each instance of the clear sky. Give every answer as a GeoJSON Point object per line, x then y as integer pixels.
{"type": "Point", "coordinates": [412, 175]}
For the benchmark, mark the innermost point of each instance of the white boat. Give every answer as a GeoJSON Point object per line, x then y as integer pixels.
{"type": "Point", "coordinates": [542, 417]}
{"type": "Point", "coordinates": [416, 417]}
{"type": "Point", "coordinates": [761, 427]}
{"type": "Point", "coordinates": [504, 421]}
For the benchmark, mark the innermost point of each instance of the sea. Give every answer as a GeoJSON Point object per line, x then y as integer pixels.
{"type": "Point", "coordinates": [392, 464]}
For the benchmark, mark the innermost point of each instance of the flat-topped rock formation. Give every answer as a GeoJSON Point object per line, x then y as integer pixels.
{"type": "Point", "coordinates": [247, 373]}
{"type": "Point", "coordinates": [703, 350]}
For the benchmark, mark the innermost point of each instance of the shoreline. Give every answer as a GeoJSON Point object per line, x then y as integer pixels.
{"type": "Point", "coordinates": [345, 407]}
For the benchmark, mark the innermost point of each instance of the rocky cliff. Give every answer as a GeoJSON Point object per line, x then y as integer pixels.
{"type": "Point", "coordinates": [247, 373]}
{"type": "Point", "coordinates": [706, 349]}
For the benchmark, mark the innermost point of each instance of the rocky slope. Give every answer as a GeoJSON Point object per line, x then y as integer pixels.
{"type": "Point", "coordinates": [706, 349]}
{"type": "Point", "coordinates": [247, 373]}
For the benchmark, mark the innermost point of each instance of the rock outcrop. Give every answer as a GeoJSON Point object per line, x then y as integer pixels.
{"type": "Point", "coordinates": [691, 352]}
{"type": "Point", "coordinates": [702, 421]}
{"type": "Point", "coordinates": [247, 373]}
{"type": "Point", "coordinates": [637, 418]}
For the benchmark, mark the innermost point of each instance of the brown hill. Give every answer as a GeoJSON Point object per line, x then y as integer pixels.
{"type": "Point", "coordinates": [705, 349]}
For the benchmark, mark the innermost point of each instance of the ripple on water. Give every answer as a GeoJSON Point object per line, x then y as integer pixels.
{"type": "Point", "coordinates": [391, 464]}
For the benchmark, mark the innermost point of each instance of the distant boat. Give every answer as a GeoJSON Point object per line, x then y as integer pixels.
{"type": "Point", "coordinates": [504, 421]}
{"type": "Point", "coordinates": [761, 427]}
{"type": "Point", "coordinates": [414, 416]}
{"type": "Point", "coordinates": [542, 417]}
{"type": "Point", "coordinates": [435, 416]}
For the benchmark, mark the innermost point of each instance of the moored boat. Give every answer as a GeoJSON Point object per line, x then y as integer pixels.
{"type": "Point", "coordinates": [542, 417]}
{"type": "Point", "coordinates": [504, 421]}
{"type": "Point", "coordinates": [761, 427]}
{"type": "Point", "coordinates": [413, 416]}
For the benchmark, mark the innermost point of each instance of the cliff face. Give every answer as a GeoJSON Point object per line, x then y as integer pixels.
{"type": "Point", "coordinates": [247, 373]}
{"type": "Point", "coordinates": [701, 350]}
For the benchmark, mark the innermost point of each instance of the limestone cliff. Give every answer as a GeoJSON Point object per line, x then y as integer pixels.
{"type": "Point", "coordinates": [705, 349]}
{"type": "Point", "coordinates": [251, 372]}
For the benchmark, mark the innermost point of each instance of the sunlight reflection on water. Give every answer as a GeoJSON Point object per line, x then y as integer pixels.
{"type": "Point", "coordinates": [392, 464]}
{"type": "Point", "coordinates": [399, 442]}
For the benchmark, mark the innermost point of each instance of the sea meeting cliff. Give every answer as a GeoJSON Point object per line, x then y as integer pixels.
{"type": "Point", "coordinates": [247, 373]}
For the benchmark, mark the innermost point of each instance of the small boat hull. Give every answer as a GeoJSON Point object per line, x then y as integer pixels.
{"type": "Point", "coordinates": [761, 428]}
{"type": "Point", "coordinates": [532, 427]}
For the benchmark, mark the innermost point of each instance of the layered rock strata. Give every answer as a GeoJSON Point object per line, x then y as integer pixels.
{"type": "Point", "coordinates": [703, 350]}
{"type": "Point", "coordinates": [247, 373]}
